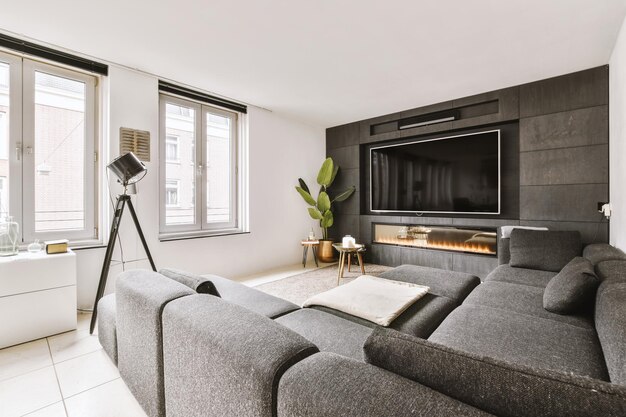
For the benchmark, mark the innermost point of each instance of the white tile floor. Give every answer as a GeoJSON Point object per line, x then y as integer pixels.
{"type": "Point", "coordinates": [69, 375]}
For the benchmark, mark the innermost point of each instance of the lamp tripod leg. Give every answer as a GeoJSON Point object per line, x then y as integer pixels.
{"type": "Point", "coordinates": [115, 225]}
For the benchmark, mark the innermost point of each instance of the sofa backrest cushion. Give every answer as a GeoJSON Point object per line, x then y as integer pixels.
{"type": "Point", "coordinates": [198, 283]}
{"type": "Point", "coordinates": [492, 385]}
{"type": "Point", "coordinates": [600, 252]}
{"type": "Point", "coordinates": [610, 317]}
{"type": "Point", "coordinates": [570, 290]}
{"type": "Point", "coordinates": [544, 250]}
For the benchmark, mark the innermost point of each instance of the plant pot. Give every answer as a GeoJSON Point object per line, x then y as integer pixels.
{"type": "Point", "coordinates": [326, 252]}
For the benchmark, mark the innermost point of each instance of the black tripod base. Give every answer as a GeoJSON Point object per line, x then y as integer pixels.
{"type": "Point", "coordinates": [122, 201]}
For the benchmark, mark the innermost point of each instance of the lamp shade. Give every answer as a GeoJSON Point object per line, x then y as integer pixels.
{"type": "Point", "coordinates": [128, 168]}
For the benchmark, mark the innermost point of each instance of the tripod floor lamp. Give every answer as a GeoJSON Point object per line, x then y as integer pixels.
{"type": "Point", "coordinates": [129, 170]}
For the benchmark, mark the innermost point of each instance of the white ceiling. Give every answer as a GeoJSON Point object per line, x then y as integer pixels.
{"type": "Point", "coordinates": [329, 62]}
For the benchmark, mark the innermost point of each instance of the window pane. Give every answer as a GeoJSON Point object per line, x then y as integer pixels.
{"type": "Point", "coordinates": [4, 140]}
{"type": "Point", "coordinates": [218, 156]}
{"type": "Point", "coordinates": [179, 164]}
{"type": "Point", "coordinates": [59, 153]}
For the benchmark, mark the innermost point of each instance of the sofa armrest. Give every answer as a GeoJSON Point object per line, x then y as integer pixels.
{"type": "Point", "coordinates": [330, 385]}
{"type": "Point", "coordinates": [221, 359]}
{"type": "Point", "coordinates": [140, 298]}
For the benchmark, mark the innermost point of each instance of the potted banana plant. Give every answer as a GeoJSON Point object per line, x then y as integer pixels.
{"type": "Point", "coordinates": [321, 209]}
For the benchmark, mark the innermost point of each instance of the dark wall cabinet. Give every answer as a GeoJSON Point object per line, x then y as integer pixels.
{"type": "Point", "coordinates": [556, 176]}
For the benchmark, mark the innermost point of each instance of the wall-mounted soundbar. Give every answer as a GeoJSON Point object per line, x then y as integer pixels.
{"type": "Point", "coordinates": [414, 123]}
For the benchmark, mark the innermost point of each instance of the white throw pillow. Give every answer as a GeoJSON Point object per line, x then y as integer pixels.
{"type": "Point", "coordinates": [375, 299]}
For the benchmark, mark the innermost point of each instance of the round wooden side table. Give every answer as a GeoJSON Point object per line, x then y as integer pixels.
{"type": "Point", "coordinates": [306, 244]}
{"type": "Point", "coordinates": [345, 257]}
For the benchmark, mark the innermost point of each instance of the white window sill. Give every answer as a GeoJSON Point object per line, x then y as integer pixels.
{"type": "Point", "coordinates": [199, 234]}
{"type": "Point", "coordinates": [74, 245]}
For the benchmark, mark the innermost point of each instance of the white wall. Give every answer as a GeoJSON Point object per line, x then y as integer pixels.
{"type": "Point", "coordinates": [280, 151]}
{"type": "Point", "coordinates": [617, 140]}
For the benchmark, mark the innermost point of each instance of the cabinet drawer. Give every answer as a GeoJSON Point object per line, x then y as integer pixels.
{"type": "Point", "coordinates": [34, 272]}
{"type": "Point", "coordinates": [37, 314]}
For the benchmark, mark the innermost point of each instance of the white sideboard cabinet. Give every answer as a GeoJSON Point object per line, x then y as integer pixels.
{"type": "Point", "coordinates": [37, 296]}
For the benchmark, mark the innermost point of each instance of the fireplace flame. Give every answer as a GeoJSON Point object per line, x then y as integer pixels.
{"type": "Point", "coordinates": [453, 246]}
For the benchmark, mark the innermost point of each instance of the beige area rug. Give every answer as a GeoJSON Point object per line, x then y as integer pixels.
{"type": "Point", "coordinates": [298, 288]}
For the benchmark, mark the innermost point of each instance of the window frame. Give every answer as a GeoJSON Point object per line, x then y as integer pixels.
{"type": "Point", "coordinates": [22, 173]}
{"type": "Point", "coordinates": [201, 227]}
{"type": "Point", "coordinates": [15, 137]}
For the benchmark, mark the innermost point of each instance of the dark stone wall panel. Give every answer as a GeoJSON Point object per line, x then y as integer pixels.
{"type": "Point", "coordinates": [562, 202]}
{"type": "Point", "coordinates": [580, 165]}
{"type": "Point", "coordinates": [578, 90]}
{"type": "Point", "coordinates": [340, 136]}
{"type": "Point", "coordinates": [346, 157]}
{"type": "Point", "coordinates": [582, 127]}
{"type": "Point", "coordinates": [425, 257]}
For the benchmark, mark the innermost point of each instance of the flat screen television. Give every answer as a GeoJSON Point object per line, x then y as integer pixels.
{"type": "Point", "coordinates": [451, 175]}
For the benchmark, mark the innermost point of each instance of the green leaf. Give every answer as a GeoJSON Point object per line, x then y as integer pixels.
{"type": "Point", "coordinates": [346, 194]}
{"type": "Point", "coordinates": [303, 185]}
{"type": "Point", "coordinates": [307, 197]}
{"type": "Point", "coordinates": [327, 220]}
{"type": "Point", "coordinates": [332, 178]}
{"type": "Point", "coordinates": [323, 202]}
{"type": "Point", "coordinates": [326, 172]}
{"type": "Point", "coordinates": [315, 214]}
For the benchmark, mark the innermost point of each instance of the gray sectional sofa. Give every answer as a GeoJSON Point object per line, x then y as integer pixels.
{"type": "Point", "coordinates": [468, 348]}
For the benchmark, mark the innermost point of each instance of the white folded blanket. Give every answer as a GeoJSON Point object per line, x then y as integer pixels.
{"type": "Point", "coordinates": [378, 300]}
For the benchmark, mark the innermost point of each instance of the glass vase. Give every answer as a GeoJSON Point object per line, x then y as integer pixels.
{"type": "Point", "coordinates": [9, 237]}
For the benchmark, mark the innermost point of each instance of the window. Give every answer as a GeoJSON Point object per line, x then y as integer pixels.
{"type": "Point", "coordinates": [209, 147]}
{"type": "Point", "coordinates": [171, 149]}
{"type": "Point", "coordinates": [47, 149]}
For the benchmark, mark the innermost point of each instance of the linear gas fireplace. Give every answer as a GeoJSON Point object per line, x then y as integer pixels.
{"type": "Point", "coordinates": [482, 241]}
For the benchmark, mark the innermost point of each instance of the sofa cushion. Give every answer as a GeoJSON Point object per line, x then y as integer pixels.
{"type": "Point", "coordinates": [330, 385]}
{"type": "Point", "coordinates": [420, 319]}
{"type": "Point", "coordinates": [599, 252]}
{"type": "Point", "coordinates": [543, 250]}
{"type": "Point", "coordinates": [198, 283]}
{"type": "Point", "coordinates": [498, 387]}
{"type": "Point", "coordinates": [532, 277]}
{"type": "Point", "coordinates": [523, 299]}
{"type": "Point", "coordinates": [451, 284]}
{"type": "Point", "coordinates": [523, 339]}
{"type": "Point", "coordinates": [572, 289]}
{"type": "Point", "coordinates": [328, 332]}
{"type": "Point", "coordinates": [611, 327]}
